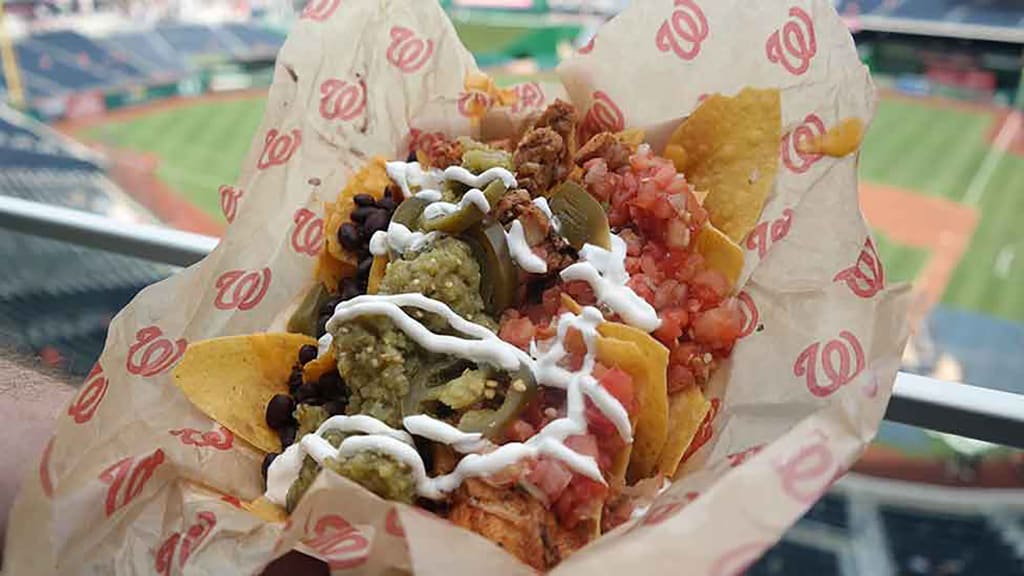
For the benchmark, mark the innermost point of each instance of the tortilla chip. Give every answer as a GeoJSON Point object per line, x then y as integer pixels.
{"type": "Point", "coordinates": [377, 270]}
{"type": "Point", "coordinates": [729, 147]}
{"type": "Point", "coordinates": [646, 360]}
{"type": "Point", "coordinates": [336, 263]}
{"type": "Point", "coordinates": [720, 253]}
{"type": "Point", "coordinates": [319, 366]}
{"type": "Point", "coordinates": [231, 379]}
{"type": "Point", "coordinates": [844, 138]}
{"type": "Point", "coordinates": [504, 515]}
{"type": "Point", "coordinates": [265, 510]}
{"type": "Point", "coordinates": [686, 410]}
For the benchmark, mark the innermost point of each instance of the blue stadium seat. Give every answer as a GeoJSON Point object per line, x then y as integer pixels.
{"type": "Point", "coordinates": [149, 52]}
{"type": "Point", "coordinates": [88, 54]}
{"type": "Point", "coordinates": [37, 61]}
{"type": "Point", "coordinates": [932, 543]}
{"type": "Point", "coordinates": [922, 9]}
{"type": "Point", "coordinates": [787, 558]}
{"type": "Point", "coordinates": [193, 40]}
{"type": "Point", "coordinates": [256, 39]}
{"type": "Point", "coordinates": [860, 6]}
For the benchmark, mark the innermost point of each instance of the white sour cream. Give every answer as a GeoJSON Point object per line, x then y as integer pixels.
{"type": "Point", "coordinates": [460, 174]}
{"type": "Point", "coordinates": [542, 203]}
{"type": "Point", "coordinates": [605, 271]}
{"type": "Point", "coordinates": [409, 174]}
{"type": "Point", "coordinates": [474, 197]}
{"type": "Point", "coordinates": [520, 251]}
{"type": "Point", "coordinates": [400, 239]}
{"type": "Point", "coordinates": [323, 345]}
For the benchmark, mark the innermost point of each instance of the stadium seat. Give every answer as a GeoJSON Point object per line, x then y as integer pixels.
{"type": "Point", "coordinates": [89, 55]}
{"type": "Point", "coordinates": [36, 60]}
{"type": "Point", "coordinates": [149, 52]}
{"type": "Point", "coordinates": [257, 40]}
{"type": "Point", "coordinates": [932, 543]}
{"type": "Point", "coordinates": [193, 40]}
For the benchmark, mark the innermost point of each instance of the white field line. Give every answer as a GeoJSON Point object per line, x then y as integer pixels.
{"type": "Point", "coordinates": [976, 188]}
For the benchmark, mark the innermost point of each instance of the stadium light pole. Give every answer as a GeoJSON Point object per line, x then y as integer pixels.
{"type": "Point", "coordinates": [12, 76]}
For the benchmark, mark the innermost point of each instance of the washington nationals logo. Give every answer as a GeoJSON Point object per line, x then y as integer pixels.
{"type": "Point", "coordinates": [342, 100]}
{"type": "Point", "coordinates": [240, 289]}
{"type": "Point", "coordinates": [806, 474]}
{"type": "Point", "coordinates": [589, 46]}
{"type": "Point", "coordinates": [338, 543]}
{"type": "Point", "coordinates": [219, 439]}
{"type": "Point", "coordinates": [88, 400]}
{"type": "Point", "coordinates": [736, 560]}
{"type": "Point", "coordinates": [473, 103]}
{"type": "Point", "coordinates": [765, 234]}
{"type": "Point", "coordinates": [45, 480]}
{"type": "Point", "coordinates": [738, 458]}
{"type": "Point", "coordinates": [529, 95]}
{"type": "Point", "coordinates": [194, 536]}
{"type": "Point", "coordinates": [704, 431]}
{"type": "Point", "coordinates": [841, 359]}
{"type": "Point", "coordinates": [794, 45]}
{"type": "Point", "coordinates": [684, 31]}
{"type": "Point", "coordinates": [152, 352]}
{"type": "Point", "coordinates": [392, 525]}
{"type": "Point", "coordinates": [319, 10]}
{"type": "Point", "coordinates": [420, 140]}
{"type": "Point", "coordinates": [407, 51]}
{"type": "Point", "coordinates": [748, 310]}
{"type": "Point", "coordinates": [794, 144]}
{"type": "Point", "coordinates": [603, 116]}
{"type": "Point", "coordinates": [866, 277]}
{"type": "Point", "coordinates": [229, 196]}
{"type": "Point", "coordinates": [127, 478]}
{"type": "Point", "coordinates": [308, 234]}
{"type": "Point", "coordinates": [278, 147]}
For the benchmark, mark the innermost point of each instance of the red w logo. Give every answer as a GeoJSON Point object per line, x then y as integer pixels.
{"type": "Point", "coordinates": [684, 31]}
{"type": "Point", "coordinates": [841, 360]}
{"type": "Point", "coordinates": [795, 45]}
{"type": "Point", "coordinates": [866, 277]}
{"type": "Point", "coordinates": [407, 51]}
{"type": "Point", "coordinates": [152, 353]}
{"type": "Point", "coordinates": [127, 478]}
{"type": "Point", "coordinates": [84, 406]}
{"type": "Point", "coordinates": [241, 290]}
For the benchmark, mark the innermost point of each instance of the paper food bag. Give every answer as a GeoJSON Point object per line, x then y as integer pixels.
{"type": "Point", "coordinates": [136, 480]}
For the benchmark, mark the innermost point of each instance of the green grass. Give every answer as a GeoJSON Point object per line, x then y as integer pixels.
{"type": "Point", "coordinates": [902, 263]}
{"type": "Point", "coordinates": [200, 146]}
{"type": "Point", "coordinates": [938, 152]}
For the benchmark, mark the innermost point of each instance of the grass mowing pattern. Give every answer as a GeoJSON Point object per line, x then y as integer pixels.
{"type": "Point", "coordinates": [938, 152]}
{"type": "Point", "coordinates": [200, 146]}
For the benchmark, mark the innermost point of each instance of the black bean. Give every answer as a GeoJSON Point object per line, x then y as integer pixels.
{"type": "Point", "coordinates": [363, 271]}
{"type": "Point", "coordinates": [361, 212]}
{"type": "Point", "coordinates": [388, 203]}
{"type": "Point", "coordinates": [279, 411]}
{"type": "Point", "coordinates": [287, 436]}
{"type": "Point", "coordinates": [376, 221]}
{"type": "Point", "coordinates": [295, 379]}
{"type": "Point", "coordinates": [328, 307]}
{"type": "Point", "coordinates": [336, 407]}
{"type": "Point", "coordinates": [321, 326]}
{"type": "Point", "coordinates": [307, 354]}
{"type": "Point", "coordinates": [330, 385]}
{"type": "Point", "coordinates": [267, 461]}
{"type": "Point", "coordinates": [364, 200]}
{"type": "Point", "coordinates": [348, 236]}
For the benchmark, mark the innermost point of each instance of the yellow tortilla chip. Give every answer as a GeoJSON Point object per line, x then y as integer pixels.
{"type": "Point", "coordinates": [316, 368]}
{"type": "Point", "coordinates": [336, 263]}
{"type": "Point", "coordinates": [231, 379]}
{"type": "Point", "coordinates": [646, 360]}
{"type": "Point", "coordinates": [686, 410]}
{"type": "Point", "coordinates": [729, 147]}
{"type": "Point", "coordinates": [265, 510]}
{"type": "Point", "coordinates": [377, 270]}
{"type": "Point", "coordinates": [842, 139]}
{"type": "Point", "coordinates": [720, 253]}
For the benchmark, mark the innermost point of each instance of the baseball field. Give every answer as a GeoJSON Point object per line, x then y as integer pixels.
{"type": "Point", "coordinates": [942, 184]}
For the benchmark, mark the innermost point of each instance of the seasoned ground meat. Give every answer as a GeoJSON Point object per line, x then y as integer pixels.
{"type": "Point", "coordinates": [441, 152]}
{"type": "Point", "coordinates": [606, 146]}
{"type": "Point", "coordinates": [538, 160]}
{"type": "Point", "coordinates": [561, 117]}
{"type": "Point", "coordinates": [517, 205]}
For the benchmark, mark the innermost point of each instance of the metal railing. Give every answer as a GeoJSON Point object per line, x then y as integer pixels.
{"type": "Point", "coordinates": [961, 409]}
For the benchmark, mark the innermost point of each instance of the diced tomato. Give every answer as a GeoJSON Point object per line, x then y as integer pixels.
{"type": "Point", "coordinates": [673, 322]}
{"type": "Point", "coordinates": [519, 431]}
{"type": "Point", "coordinates": [578, 501]}
{"type": "Point", "coordinates": [710, 287]}
{"type": "Point", "coordinates": [585, 444]}
{"type": "Point", "coordinates": [620, 385]}
{"type": "Point", "coordinates": [680, 377]}
{"type": "Point", "coordinates": [517, 332]}
{"type": "Point", "coordinates": [551, 477]}
{"type": "Point", "coordinates": [718, 327]}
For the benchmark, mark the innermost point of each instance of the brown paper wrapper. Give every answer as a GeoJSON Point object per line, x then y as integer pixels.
{"type": "Point", "coordinates": [137, 481]}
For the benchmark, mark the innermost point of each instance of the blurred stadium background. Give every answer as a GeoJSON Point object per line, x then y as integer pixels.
{"type": "Point", "coordinates": [141, 111]}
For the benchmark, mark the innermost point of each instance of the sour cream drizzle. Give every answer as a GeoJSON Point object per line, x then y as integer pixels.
{"type": "Point", "coordinates": [520, 251]}
{"type": "Point", "coordinates": [400, 239]}
{"type": "Point", "coordinates": [605, 271]}
{"type": "Point", "coordinates": [409, 174]}
{"type": "Point", "coordinates": [474, 197]}
{"type": "Point", "coordinates": [482, 458]}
